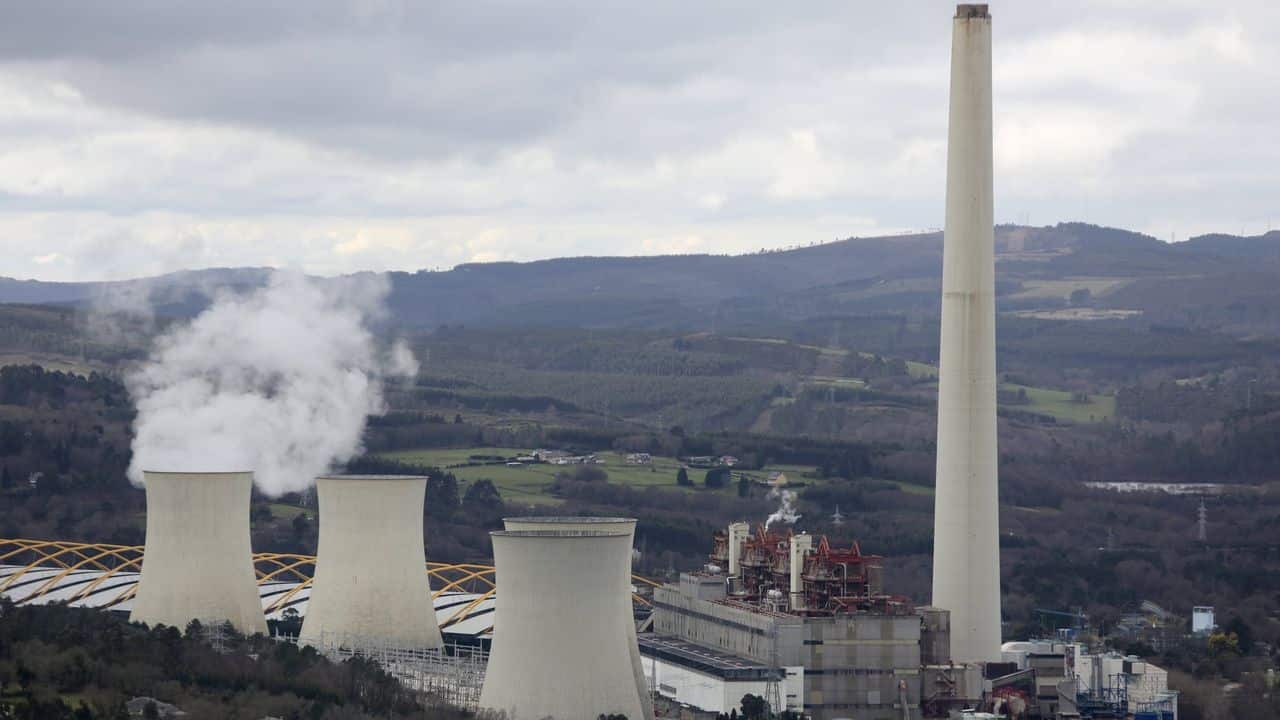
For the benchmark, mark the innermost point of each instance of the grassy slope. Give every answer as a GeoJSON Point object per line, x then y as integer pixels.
{"type": "Point", "coordinates": [1056, 403]}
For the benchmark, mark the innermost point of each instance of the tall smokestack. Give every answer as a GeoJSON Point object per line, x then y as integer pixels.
{"type": "Point", "coordinates": [966, 552]}
{"type": "Point", "coordinates": [738, 533]}
{"type": "Point", "coordinates": [198, 564]}
{"type": "Point", "coordinates": [800, 546]}
{"type": "Point", "coordinates": [371, 587]}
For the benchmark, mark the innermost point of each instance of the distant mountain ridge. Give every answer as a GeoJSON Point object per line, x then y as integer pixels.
{"type": "Point", "coordinates": [1038, 269]}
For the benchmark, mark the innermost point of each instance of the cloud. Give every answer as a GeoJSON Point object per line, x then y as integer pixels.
{"type": "Point", "coordinates": [338, 137]}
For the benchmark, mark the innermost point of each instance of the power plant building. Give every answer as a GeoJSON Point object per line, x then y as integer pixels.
{"type": "Point", "coordinates": [198, 561]}
{"type": "Point", "coordinates": [805, 625]}
{"type": "Point", "coordinates": [370, 587]}
{"type": "Point", "coordinates": [560, 635]}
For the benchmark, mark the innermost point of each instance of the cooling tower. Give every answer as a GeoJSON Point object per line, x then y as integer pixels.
{"type": "Point", "coordinates": [966, 553]}
{"type": "Point", "coordinates": [627, 525]}
{"type": "Point", "coordinates": [198, 564]}
{"type": "Point", "coordinates": [561, 644]}
{"type": "Point", "coordinates": [370, 587]}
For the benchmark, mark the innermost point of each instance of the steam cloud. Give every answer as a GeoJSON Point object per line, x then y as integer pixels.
{"type": "Point", "coordinates": [279, 381]}
{"type": "Point", "coordinates": [786, 511]}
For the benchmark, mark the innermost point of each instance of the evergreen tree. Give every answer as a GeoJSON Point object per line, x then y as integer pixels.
{"type": "Point", "coordinates": [744, 486]}
{"type": "Point", "coordinates": [754, 707]}
{"type": "Point", "coordinates": [482, 503]}
{"type": "Point", "coordinates": [682, 477]}
{"type": "Point", "coordinates": [442, 496]}
{"type": "Point", "coordinates": [716, 477]}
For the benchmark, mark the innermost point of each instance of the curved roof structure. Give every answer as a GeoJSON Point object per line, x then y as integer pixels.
{"type": "Point", "coordinates": [105, 576]}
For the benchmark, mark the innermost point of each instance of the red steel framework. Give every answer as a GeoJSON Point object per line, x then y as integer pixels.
{"type": "Point", "coordinates": [834, 580]}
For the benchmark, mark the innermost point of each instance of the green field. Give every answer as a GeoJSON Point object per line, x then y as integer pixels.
{"type": "Point", "coordinates": [1058, 404]}
{"type": "Point", "coordinates": [1097, 286]}
{"type": "Point", "coordinates": [912, 489]}
{"type": "Point", "coordinates": [288, 512]}
{"type": "Point", "coordinates": [530, 483]}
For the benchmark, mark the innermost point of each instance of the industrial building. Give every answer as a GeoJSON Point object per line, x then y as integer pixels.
{"type": "Point", "coordinates": [805, 625]}
{"type": "Point", "coordinates": [1053, 679]}
{"type": "Point", "coordinates": [560, 634]}
{"type": "Point", "coordinates": [370, 588]}
{"type": "Point", "coordinates": [199, 562]}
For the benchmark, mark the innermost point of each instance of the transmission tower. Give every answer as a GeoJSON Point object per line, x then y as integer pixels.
{"type": "Point", "coordinates": [1202, 522]}
{"type": "Point", "coordinates": [772, 688]}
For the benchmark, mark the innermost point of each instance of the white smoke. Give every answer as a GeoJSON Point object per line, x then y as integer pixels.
{"type": "Point", "coordinates": [280, 381]}
{"type": "Point", "coordinates": [786, 511]}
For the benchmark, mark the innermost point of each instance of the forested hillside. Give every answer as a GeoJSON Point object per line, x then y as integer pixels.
{"type": "Point", "coordinates": [1121, 359]}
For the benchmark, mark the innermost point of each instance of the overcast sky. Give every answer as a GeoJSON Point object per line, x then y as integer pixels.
{"type": "Point", "coordinates": [143, 137]}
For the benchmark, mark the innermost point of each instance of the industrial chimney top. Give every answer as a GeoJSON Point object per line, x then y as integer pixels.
{"type": "Point", "coordinates": [971, 11]}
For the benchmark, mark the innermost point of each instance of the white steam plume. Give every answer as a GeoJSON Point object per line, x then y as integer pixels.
{"type": "Point", "coordinates": [786, 511]}
{"type": "Point", "coordinates": [279, 381]}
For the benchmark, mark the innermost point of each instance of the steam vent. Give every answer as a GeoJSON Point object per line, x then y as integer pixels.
{"type": "Point", "coordinates": [371, 588]}
{"type": "Point", "coordinates": [198, 564]}
{"type": "Point", "coordinates": [966, 553]}
{"type": "Point", "coordinates": [627, 525]}
{"type": "Point", "coordinates": [562, 613]}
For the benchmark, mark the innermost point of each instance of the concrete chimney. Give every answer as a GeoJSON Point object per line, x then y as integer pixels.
{"type": "Point", "coordinates": [738, 533]}
{"type": "Point", "coordinates": [800, 546]}
{"type": "Point", "coordinates": [966, 552]}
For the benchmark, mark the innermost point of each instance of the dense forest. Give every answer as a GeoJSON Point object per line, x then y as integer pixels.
{"type": "Point", "coordinates": [59, 663]}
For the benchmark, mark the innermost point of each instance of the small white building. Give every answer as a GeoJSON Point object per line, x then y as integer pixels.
{"type": "Point", "coordinates": [1202, 620]}
{"type": "Point", "coordinates": [710, 680]}
{"type": "Point", "coordinates": [1147, 685]}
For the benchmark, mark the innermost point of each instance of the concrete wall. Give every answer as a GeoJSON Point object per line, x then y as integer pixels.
{"type": "Point", "coordinates": [703, 586]}
{"type": "Point", "coordinates": [734, 630]}
{"type": "Point", "coordinates": [853, 666]}
{"type": "Point", "coordinates": [560, 635]}
{"type": "Point", "coordinates": [371, 586]}
{"type": "Point", "coordinates": [198, 564]}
